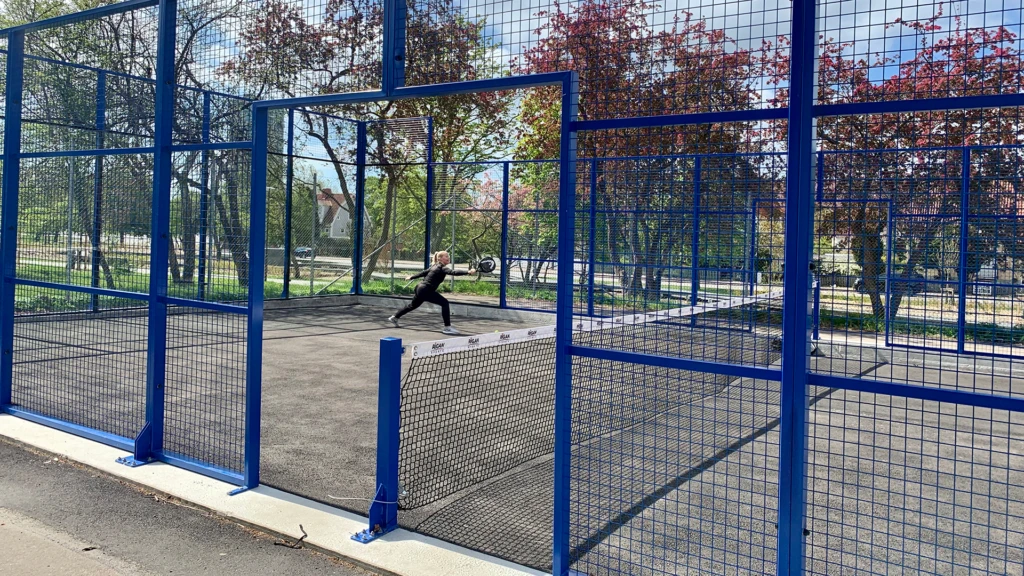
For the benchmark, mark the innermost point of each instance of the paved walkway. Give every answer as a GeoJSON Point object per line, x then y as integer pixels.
{"type": "Point", "coordinates": [60, 519]}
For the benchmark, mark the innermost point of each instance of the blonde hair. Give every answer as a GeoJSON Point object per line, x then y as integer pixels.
{"type": "Point", "coordinates": [437, 255]}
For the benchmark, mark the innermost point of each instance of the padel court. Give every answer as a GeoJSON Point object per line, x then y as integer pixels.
{"type": "Point", "coordinates": [477, 448]}
{"type": "Point", "coordinates": [477, 445]}
{"type": "Point", "coordinates": [755, 305]}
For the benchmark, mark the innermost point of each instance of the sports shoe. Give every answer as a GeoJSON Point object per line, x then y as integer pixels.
{"type": "Point", "coordinates": [450, 330]}
{"type": "Point", "coordinates": [394, 321]}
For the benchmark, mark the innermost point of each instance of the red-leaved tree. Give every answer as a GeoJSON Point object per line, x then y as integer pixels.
{"type": "Point", "coordinates": [626, 68]}
{"type": "Point", "coordinates": [912, 164]}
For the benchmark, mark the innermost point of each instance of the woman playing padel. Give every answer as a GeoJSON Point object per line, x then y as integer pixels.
{"type": "Point", "coordinates": [426, 290]}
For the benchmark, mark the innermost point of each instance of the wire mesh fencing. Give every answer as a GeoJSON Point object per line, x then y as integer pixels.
{"type": "Point", "coordinates": [103, 328]}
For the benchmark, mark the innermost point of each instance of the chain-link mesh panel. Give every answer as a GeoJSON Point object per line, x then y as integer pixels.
{"type": "Point", "coordinates": [532, 233]}
{"type": "Point", "coordinates": [206, 386]}
{"type": "Point", "coordinates": [994, 259]}
{"type": "Point", "coordinates": [226, 46]}
{"type": "Point", "coordinates": [874, 53]}
{"type": "Point", "coordinates": [396, 179]}
{"type": "Point", "coordinates": [928, 487]}
{"type": "Point", "coordinates": [634, 58]}
{"type": "Point", "coordinates": [466, 213]}
{"type": "Point", "coordinates": [85, 221]}
{"type": "Point", "coordinates": [321, 203]}
{"type": "Point", "coordinates": [212, 222]}
{"type": "Point", "coordinates": [81, 367]}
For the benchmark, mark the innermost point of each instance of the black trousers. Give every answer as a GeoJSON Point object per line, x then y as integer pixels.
{"type": "Point", "coordinates": [423, 294]}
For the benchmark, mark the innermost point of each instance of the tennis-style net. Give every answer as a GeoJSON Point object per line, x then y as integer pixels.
{"type": "Point", "coordinates": [476, 407]}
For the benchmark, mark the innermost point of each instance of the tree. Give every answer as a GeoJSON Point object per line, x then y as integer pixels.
{"type": "Point", "coordinates": [284, 53]}
{"type": "Point", "coordinates": [899, 158]}
{"type": "Point", "coordinates": [628, 69]}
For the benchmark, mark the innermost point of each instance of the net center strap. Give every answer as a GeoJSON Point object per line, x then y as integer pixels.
{"type": "Point", "coordinates": [580, 324]}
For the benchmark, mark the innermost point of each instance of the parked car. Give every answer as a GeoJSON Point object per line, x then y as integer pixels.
{"type": "Point", "coordinates": [304, 252]}
{"type": "Point", "coordinates": [909, 286]}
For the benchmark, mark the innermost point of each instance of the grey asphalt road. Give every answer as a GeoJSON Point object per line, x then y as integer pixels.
{"type": "Point", "coordinates": [57, 518]}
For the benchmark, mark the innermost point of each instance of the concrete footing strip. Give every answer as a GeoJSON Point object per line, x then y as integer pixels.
{"type": "Point", "coordinates": [401, 552]}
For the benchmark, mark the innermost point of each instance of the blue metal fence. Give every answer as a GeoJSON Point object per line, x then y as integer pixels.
{"type": "Point", "coordinates": [123, 354]}
{"type": "Point", "coordinates": [809, 488]}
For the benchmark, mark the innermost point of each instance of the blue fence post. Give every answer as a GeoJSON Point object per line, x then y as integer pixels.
{"type": "Point", "coordinates": [9, 217]}
{"type": "Point", "coordinates": [695, 247]}
{"type": "Point", "coordinates": [383, 514]}
{"type": "Point", "coordinates": [563, 330]}
{"type": "Point", "coordinates": [358, 222]}
{"type": "Point", "coordinates": [254, 328]}
{"type": "Point", "coordinates": [97, 187]}
{"type": "Point", "coordinates": [204, 203]}
{"type": "Point", "coordinates": [503, 278]}
{"type": "Point", "coordinates": [796, 350]}
{"type": "Point", "coordinates": [961, 276]}
{"type": "Point", "coordinates": [888, 271]}
{"type": "Point", "coordinates": [592, 244]}
{"type": "Point", "coordinates": [430, 194]}
{"type": "Point", "coordinates": [149, 442]}
{"type": "Point", "coordinates": [289, 182]}
{"type": "Point", "coordinates": [393, 55]}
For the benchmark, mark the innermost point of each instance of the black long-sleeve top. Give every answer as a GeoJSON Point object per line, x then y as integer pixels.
{"type": "Point", "coordinates": [435, 275]}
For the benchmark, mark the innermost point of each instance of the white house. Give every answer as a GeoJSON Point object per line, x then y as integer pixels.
{"type": "Point", "coordinates": [331, 209]}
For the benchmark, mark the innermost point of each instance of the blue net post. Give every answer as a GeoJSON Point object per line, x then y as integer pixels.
{"type": "Point", "coordinates": [961, 275]}
{"type": "Point", "coordinates": [289, 181]}
{"type": "Point", "coordinates": [149, 442]}
{"type": "Point", "coordinates": [254, 327]}
{"type": "Point", "coordinates": [9, 218]}
{"type": "Point", "coordinates": [561, 557]}
{"type": "Point", "coordinates": [503, 278]}
{"type": "Point", "coordinates": [359, 219]}
{"type": "Point", "coordinates": [592, 241]}
{"type": "Point", "coordinates": [204, 185]}
{"type": "Point", "coordinates": [428, 224]}
{"type": "Point", "coordinates": [97, 188]}
{"type": "Point", "coordinates": [383, 514]}
{"type": "Point", "coordinates": [695, 240]}
{"type": "Point", "coordinates": [796, 349]}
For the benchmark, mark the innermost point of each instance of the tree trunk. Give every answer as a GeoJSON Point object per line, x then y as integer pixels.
{"type": "Point", "coordinates": [389, 206]}
{"type": "Point", "coordinates": [189, 225]}
{"type": "Point", "coordinates": [636, 275]}
{"type": "Point", "coordinates": [85, 217]}
{"type": "Point", "coordinates": [915, 256]}
{"type": "Point", "coordinates": [541, 258]}
{"type": "Point", "coordinates": [233, 233]}
{"type": "Point", "coordinates": [868, 251]}
{"type": "Point", "coordinates": [172, 260]}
